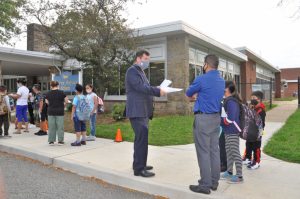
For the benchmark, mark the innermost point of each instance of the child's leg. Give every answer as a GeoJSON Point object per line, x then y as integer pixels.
{"type": "Point", "coordinates": [235, 149]}
{"type": "Point", "coordinates": [1, 123]}
{"type": "Point", "coordinates": [229, 154]}
{"type": "Point", "coordinates": [257, 151]}
{"type": "Point", "coordinates": [83, 130]}
{"type": "Point", "coordinates": [6, 124]}
{"type": "Point", "coordinates": [247, 154]}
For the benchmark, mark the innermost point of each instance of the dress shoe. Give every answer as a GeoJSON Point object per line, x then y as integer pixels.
{"type": "Point", "coordinates": [214, 187]}
{"type": "Point", "coordinates": [199, 189]}
{"type": "Point", "coordinates": [144, 173]}
{"type": "Point", "coordinates": [148, 167]}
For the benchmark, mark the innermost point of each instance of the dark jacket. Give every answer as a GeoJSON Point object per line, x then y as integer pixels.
{"type": "Point", "coordinates": [260, 109]}
{"type": "Point", "coordinates": [232, 108]}
{"type": "Point", "coordinates": [139, 93]}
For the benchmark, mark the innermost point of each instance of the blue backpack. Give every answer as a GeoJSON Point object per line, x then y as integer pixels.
{"type": "Point", "coordinates": [84, 109]}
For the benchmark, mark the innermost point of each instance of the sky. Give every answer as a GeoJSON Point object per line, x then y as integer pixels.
{"type": "Point", "coordinates": [262, 26]}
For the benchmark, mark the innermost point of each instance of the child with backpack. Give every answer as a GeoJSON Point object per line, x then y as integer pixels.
{"type": "Point", "coordinates": [81, 112]}
{"type": "Point", "coordinates": [230, 123]}
{"type": "Point", "coordinates": [4, 111]}
{"type": "Point", "coordinates": [254, 146]}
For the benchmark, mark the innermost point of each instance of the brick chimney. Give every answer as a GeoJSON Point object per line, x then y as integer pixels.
{"type": "Point", "coordinates": [36, 39]}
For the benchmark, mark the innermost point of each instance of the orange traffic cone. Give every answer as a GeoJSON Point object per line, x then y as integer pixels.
{"type": "Point", "coordinates": [119, 136]}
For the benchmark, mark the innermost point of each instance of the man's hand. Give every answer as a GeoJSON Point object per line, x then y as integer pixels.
{"type": "Point", "coordinates": [162, 92]}
{"type": "Point", "coordinates": [193, 98]}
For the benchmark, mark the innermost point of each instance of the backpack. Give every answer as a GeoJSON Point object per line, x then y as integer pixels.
{"type": "Point", "coordinates": [100, 105]}
{"type": "Point", "coordinates": [3, 105]}
{"type": "Point", "coordinates": [83, 111]}
{"type": "Point", "coordinates": [250, 123]}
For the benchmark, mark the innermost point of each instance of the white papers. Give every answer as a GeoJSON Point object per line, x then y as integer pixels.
{"type": "Point", "coordinates": [223, 113]}
{"type": "Point", "coordinates": [165, 86]}
{"type": "Point", "coordinates": [165, 83]}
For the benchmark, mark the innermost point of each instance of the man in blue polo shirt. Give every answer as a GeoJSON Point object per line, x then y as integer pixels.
{"type": "Point", "coordinates": [207, 91]}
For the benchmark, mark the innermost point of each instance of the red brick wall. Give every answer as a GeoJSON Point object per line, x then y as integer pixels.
{"type": "Point", "coordinates": [290, 73]}
{"type": "Point", "coordinates": [288, 92]}
{"type": "Point", "coordinates": [248, 76]}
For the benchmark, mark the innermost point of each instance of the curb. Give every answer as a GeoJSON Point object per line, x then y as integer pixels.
{"type": "Point", "coordinates": [109, 176]}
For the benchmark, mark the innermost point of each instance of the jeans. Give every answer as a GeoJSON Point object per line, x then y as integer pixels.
{"type": "Point", "coordinates": [93, 124]}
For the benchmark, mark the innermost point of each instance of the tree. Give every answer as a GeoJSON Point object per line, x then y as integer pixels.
{"type": "Point", "coordinates": [9, 16]}
{"type": "Point", "coordinates": [91, 31]}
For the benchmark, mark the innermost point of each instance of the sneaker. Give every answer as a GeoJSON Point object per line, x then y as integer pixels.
{"type": "Point", "coordinates": [235, 180]}
{"type": "Point", "coordinates": [61, 143]}
{"type": "Point", "coordinates": [246, 162]}
{"type": "Point", "coordinates": [17, 132]}
{"type": "Point", "coordinates": [41, 133]}
{"type": "Point", "coordinates": [37, 133]}
{"type": "Point", "coordinates": [91, 138]}
{"type": "Point", "coordinates": [253, 166]}
{"type": "Point", "coordinates": [83, 142]}
{"type": "Point", "coordinates": [51, 143]}
{"type": "Point", "coordinates": [225, 176]}
{"type": "Point", "coordinates": [76, 143]}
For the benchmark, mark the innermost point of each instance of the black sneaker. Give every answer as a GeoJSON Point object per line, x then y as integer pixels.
{"type": "Point", "coordinates": [37, 133]}
{"type": "Point", "coordinates": [41, 133]}
{"type": "Point", "coordinates": [199, 189]}
{"type": "Point", "coordinates": [51, 143]}
{"type": "Point", "coordinates": [76, 143]}
{"type": "Point", "coordinates": [61, 143]}
{"type": "Point", "coordinates": [83, 142]}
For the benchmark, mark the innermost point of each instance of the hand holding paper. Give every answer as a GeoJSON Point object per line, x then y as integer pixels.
{"type": "Point", "coordinates": [165, 86]}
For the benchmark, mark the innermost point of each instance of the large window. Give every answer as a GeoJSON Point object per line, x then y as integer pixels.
{"type": "Point", "coordinates": [157, 73]}
{"type": "Point", "coordinates": [194, 71]}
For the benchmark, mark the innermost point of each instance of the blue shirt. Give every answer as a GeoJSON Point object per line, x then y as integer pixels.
{"type": "Point", "coordinates": [210, 88]}
{"type": "Point", "coordinates": [232, 109]}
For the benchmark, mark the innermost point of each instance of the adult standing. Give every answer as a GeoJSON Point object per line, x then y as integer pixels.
{"type": "Point", "coordinates": [56, 100]}
{"type": "Point", "coordinates": [22, 105]}
{"type": "Point", "coordinates": [31, 106]}
{"type": "Point", "coordinates": [139, 108]}
{"type": "Point", "coordinates": [93, 100]}
{"type": "Point", "coordinates": [209, 89]}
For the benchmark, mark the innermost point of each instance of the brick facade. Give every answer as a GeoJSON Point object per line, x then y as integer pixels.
{"type": "Point", "coordinates": [36, 39]}
{"type": "Point", "coordinates": [290, 74]}
{"type": "Point", "coordinates": [248, 77]}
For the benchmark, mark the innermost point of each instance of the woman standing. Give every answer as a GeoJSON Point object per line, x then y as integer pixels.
{"type": "Point", "coordinates": [56, 100]}
{"type": "Point", "coordinates": [93, 99]}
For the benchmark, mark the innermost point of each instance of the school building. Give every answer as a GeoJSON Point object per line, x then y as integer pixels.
{"type": "Point", "coordinates": [177, 53]}
{"type": "Point", "coordinates": [289, 78]}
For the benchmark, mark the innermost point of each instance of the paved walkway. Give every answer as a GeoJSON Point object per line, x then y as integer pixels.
{"type": "Point", "coordinates": [175, 166]}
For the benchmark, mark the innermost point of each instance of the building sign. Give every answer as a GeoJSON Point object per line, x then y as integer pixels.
{"type": "Point", "coordinates": [256, 87]}
{"type": "Point", "coordinates": [67, 81]}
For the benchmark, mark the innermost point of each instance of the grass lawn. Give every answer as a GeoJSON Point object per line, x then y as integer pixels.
{"type": "Point", "coordinates": [166, 130]}
{"type": "Point", "coordinates": [286, 99]}
{"type": "Point", "coordinates": [285, 144]}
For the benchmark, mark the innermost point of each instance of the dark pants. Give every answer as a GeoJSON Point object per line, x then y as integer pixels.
{"type": "Point", "coordinates": [223, 156]}
{"type": "Point", "coordinates": [31, 115]}
{"type": "Point", "coordinates": [140, 128]}
{"type": "Point", "coordinates": [253, 148]}
{"type": "Point", "coordinates": [4, 120]}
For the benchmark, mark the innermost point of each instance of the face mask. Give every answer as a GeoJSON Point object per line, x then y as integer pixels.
{"type": "Point", "coordinates": [18, 85]}
{"type": "Point", "coordinates": [254, 102]}
{"type": "Point", "coordinates": [144, 65]}
{"type": "Point", "coordinates": [203, 69]}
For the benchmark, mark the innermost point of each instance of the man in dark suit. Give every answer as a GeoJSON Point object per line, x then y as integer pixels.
{"type": "Point", "coordinates": [139, 108]}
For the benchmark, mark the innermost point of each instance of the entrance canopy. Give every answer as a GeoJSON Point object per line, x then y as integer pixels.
{"type": "Point", "coordinates": [27, 63]}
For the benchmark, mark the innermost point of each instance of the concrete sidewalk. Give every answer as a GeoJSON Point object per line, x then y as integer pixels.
{"type": "Point", "coordinates": [176, 167]}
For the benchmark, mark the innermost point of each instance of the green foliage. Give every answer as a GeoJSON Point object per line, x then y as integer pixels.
{"type": "Point", "coordinates": [9, 17]}
{"type": "Point", "coordinates": [94, 32]}
{"type": "Point", "coordinates": [285, 144]}
{"type": "Point", "coordinates": [118, 112]}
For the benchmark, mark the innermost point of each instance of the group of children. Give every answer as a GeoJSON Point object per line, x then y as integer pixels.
{"type": "Point", "coordinates": [230, 135]}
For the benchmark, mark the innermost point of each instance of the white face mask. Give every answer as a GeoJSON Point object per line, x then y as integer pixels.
{"type": "Point", "coordinates": [88, 90]}
{"type": "Point", "coordinates": [18, 85]}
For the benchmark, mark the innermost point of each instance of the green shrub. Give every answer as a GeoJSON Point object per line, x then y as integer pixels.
{"type": "Point", "coordinates": [118, 112]}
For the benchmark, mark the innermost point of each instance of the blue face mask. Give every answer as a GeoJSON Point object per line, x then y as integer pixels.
{"type": "Point", "coordinates": [144, 65]}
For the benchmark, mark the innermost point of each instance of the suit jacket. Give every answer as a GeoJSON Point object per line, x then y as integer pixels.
{"type": "Point", "coordinates": [139, 93]}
